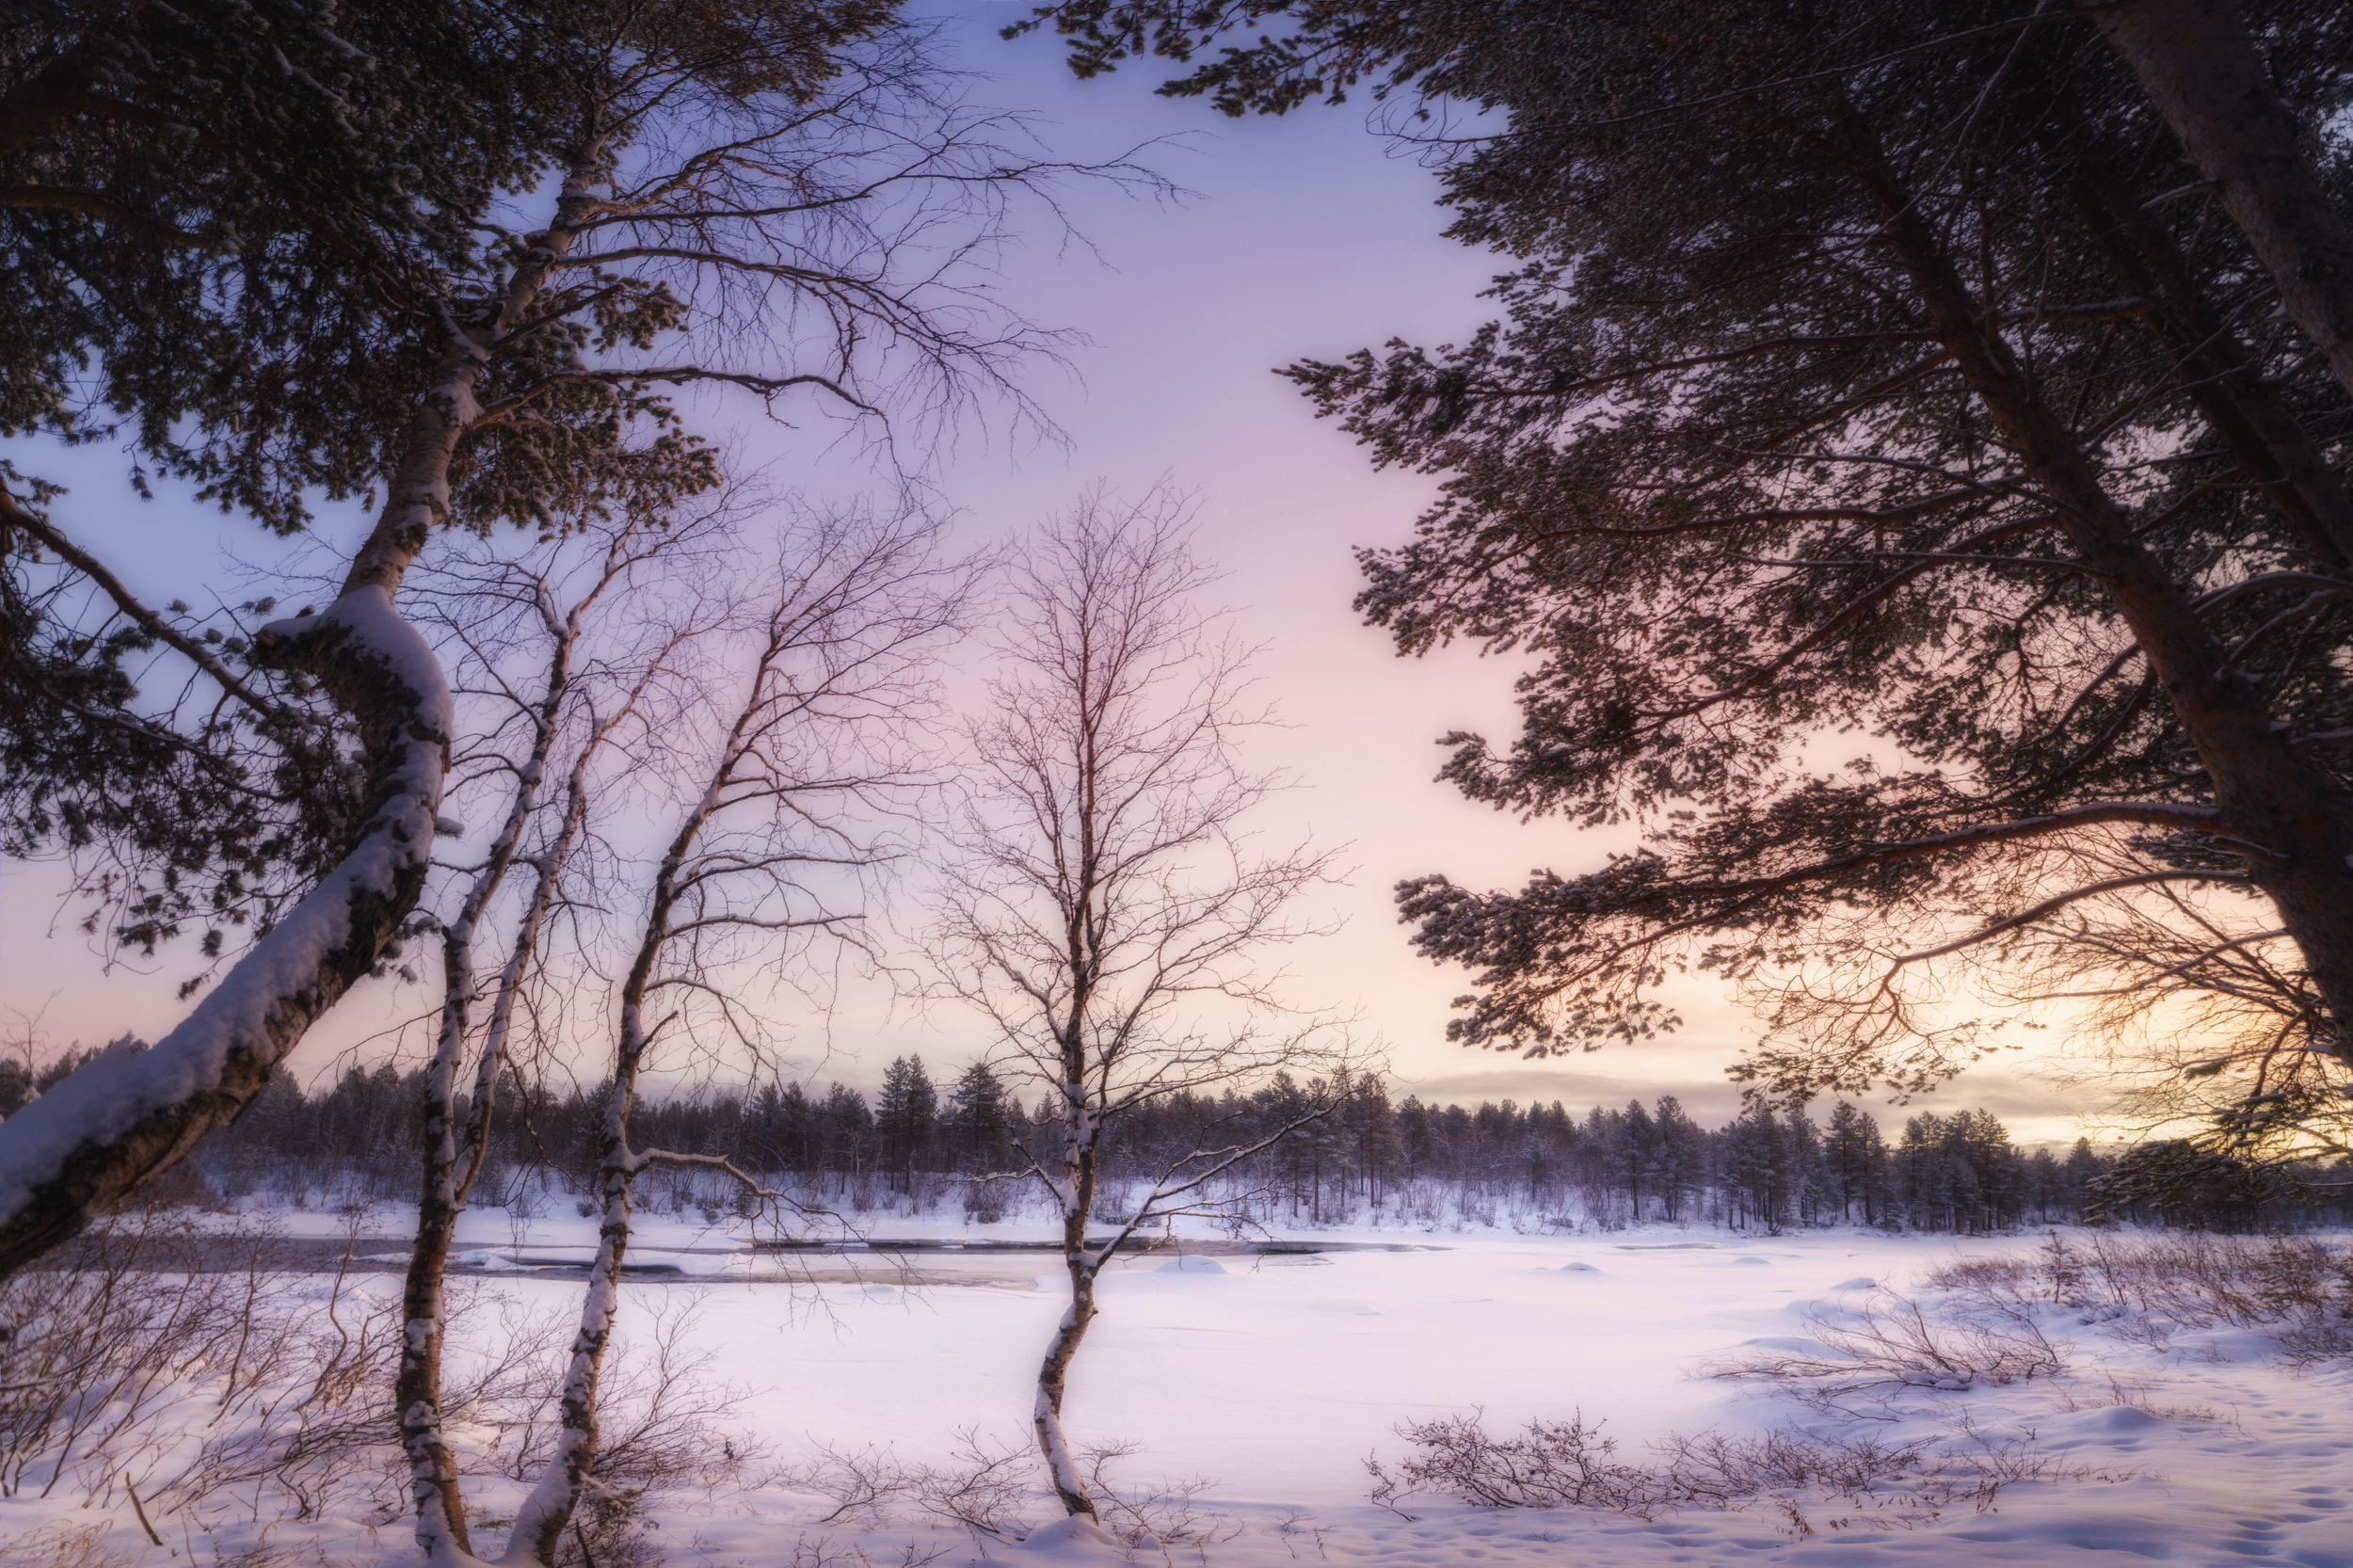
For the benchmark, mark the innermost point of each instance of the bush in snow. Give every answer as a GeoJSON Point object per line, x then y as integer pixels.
{"type": "Point", "coordinates": [2147, 1288]}
{"type": "Point", "coordinates": [1570, 1464]}
{"type": "Point", "coordinates": [1892, 1343]}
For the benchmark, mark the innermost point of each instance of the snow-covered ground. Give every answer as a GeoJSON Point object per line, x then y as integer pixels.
{"type": "Point", "coordinates": [1275, 1377]}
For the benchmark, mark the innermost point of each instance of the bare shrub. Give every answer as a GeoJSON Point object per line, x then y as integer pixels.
{"type": "Point", "coordinates": [239, 1374]}
{"type": "Point", "coordinates": [1153, 1516]}
{"type": "Point", "coordinates": [193, 1372]}
{"type": "Point", "coordinates": [1893, 1342]}
{"type": "Point", "coordinates": [63, 1545]}
{"type": "Point", "coordinates": [987, 1487]}
{"type": "Point", "coordinates": [1549, 1464]}
{"type": "Point", "coordinates": [2147, 1288]}
{"type": "Point", "coordinates": [661, 1415]}
{"type": "Point", "coordinates": [861, 1483]}
{"type": "Point", "coordinates": [996, 1487]}
{"type": "Point", "coordinates": [1572, 1465]}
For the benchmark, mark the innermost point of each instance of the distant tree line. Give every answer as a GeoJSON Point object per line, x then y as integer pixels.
{"type": "Point", "coordinates": [914, 1144]}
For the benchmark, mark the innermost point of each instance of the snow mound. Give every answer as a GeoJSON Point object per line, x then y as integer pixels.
{"type": "Point", "coordinates": [1075, 1538]}
{"type": "Point", "coordinates": [881, 1293]}
{"type": "Point", "coordinates": [1184, 1266]}
{"type": "Point", "coordinates": [1860, 1282]}
{"type": "Point", "coordinates": [1751, 1263]}
{"type": "Point", "coordinates": [1578, 1269]}
{"type": "Point", "coordinates": [2125, 1417]}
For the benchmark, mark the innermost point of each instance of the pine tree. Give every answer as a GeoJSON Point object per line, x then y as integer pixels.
{"type": "Point", "coordinates": [1634, 1154]}
{"type": "Point", "coordinates": [979, 1126]}
{"type": "Point", "coordinates": [1380, 1143]}
{"type": "Point", "coordinates": [849, 1132]}
{"type": "Point", "coordinates": [2084, 1166]}
{"type": "Point", "coordinates": [1855, 1162]}
{"type": "Point", "coordinates": [906, 1121]}
{"type": "Point", "coordinates": [1856, 432]}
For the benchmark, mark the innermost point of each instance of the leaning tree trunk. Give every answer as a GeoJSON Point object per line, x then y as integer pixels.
{"type": "Point", "coordinates": [119, 1121]}
{"type": "Point", "coordinates": [553, 1499]}
{"type": "Point", "coordinates": [122, 1119]}
{"type": "Point", "coordinates": [2200, 68]}
{"type": "Point", "coordinates": [2267, 442]}
{"type": "Point", "coordinates": [2293, 826]}
{"type": "Point", "coordinates": [556, 1496]}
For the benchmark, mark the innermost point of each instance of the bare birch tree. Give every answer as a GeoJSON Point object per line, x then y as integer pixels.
{"type": "Point", "coordinates": [787, 820]}
{"type": "Point", "coordinates": [1106, 905]}
{"type": "Point", "coordinates": [588, 689]}
{"type": "Point", "coordinates": [782, 200]}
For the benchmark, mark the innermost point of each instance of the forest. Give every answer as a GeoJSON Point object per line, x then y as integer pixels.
{"type": "Point", "coordinates": [917, 1148]}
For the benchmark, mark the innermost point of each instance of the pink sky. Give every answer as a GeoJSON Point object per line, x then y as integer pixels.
{"type": "Point", "coordinates": [1304, 239]}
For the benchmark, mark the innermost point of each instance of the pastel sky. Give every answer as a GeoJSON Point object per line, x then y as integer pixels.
{"type": "Point", "coordinates": [1303, 237]}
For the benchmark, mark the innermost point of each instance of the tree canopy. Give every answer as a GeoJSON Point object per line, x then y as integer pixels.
{"type": "Point", "coordinates": [1872, 372]}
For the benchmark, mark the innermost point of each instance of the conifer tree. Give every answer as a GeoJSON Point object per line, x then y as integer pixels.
{"type": "Point", "coordinates": [1854, 1159]}
{"type": "Point", "coordinates": [1682, 1164]}
{"type": "Point", "coordinates": [1872, 369]}
{"type": "Point", "coordinates": [906, 1121]}
{"type": "Point", "coordinates": [979, 1123]}
{"type": "Point", "coordinates": [779, 199]}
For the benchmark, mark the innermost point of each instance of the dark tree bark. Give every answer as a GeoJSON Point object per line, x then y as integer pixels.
{"type": "Point", "coordinates": [2200, 68]}
{"type": "Point", "coordinates": [2268, 444]}
{"type": "Point", "coordinates": [2295, 830]}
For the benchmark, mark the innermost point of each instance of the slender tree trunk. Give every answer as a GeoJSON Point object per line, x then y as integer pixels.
{"type": "Point", "coordinates": [2299, 829]}
{"type": "Point", "coordinates": [454, 1155]}
{"type": "Point", "coordinates": [1053, 1373]}
{"type": "Point", "coordinates": [555, 1498]}
{"type": "Point", "coordinates": [2200, 68]}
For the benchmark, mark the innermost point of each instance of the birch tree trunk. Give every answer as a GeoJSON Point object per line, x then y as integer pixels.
{"type": "Point", "coordinates": [453, 1155]}
{"type": "Point", "coordinates": [2200, 68]}
{"type": "Point", "coordinates": [555, 1498]}
{"type": "Point", "coordinates": [1053, 1373]}
{"type": "Point", "coordinates": [108, 1128]}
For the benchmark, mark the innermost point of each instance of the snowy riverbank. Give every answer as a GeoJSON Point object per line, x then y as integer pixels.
{"type": "Point", "coordinates": [1274, 1377]}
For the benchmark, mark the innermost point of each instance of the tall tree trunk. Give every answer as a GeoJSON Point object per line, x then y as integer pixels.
{"type": "Point", "coordinates": [2200, 68]}
{"type": "Point", "coordinates": [556, 1496]}
{"type": "Point", "coordinates": [111, 1125]}
{"type": "Point", "coordinates": [2295, 826]}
